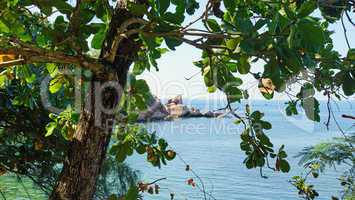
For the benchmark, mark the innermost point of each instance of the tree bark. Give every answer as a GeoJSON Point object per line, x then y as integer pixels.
{"type": "Point", "coordinates": [90, 141]}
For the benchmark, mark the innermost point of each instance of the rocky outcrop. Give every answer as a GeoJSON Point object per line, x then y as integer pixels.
{"type": "Point", "coordinates": [177, 110]}
{"type": "Point", "coordinates": [176, 100]}
{"type": "Point", "coordinates": [156, 111]}
{"type": "Point", "coordinates": [173, 109]}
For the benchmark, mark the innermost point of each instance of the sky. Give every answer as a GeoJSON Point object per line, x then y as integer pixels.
{"type": "Point", "coordinates": [174, 66]}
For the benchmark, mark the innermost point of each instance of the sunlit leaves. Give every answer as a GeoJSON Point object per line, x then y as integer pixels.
{"type": "Point", "coordinates": [52, 69]}
{"type": "Point", "coordinates": [304, 190]}
{"type": "Point", "coordinates": [57, 83]}
{"type": "Point", "coordinates": [2, 80]}
{"type": "Point", "coordinates": [4, 28]}
{"type": "Point", "coordinates": [98, 39]}
{"type": "Point", "coordinates": [50, 128]}
{"type": "Point", "coordinates": [64, 123]}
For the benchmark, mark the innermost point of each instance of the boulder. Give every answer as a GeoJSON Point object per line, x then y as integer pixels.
{"type": "Point", "coordinates": [176, 100]}
{"type": "Point", "coordinates": [210, 114]}
{"type": "Point", "coordinates": [177, 111]}
{"type": "Point", "coordinates": [195, 113]}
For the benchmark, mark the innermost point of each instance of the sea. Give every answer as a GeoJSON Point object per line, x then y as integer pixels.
{"type": "Point", "coordinates": [210, 146]}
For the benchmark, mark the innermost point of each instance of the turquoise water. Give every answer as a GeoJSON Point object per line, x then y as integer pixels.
{"type": "Point", "coordinates": [211, 147]}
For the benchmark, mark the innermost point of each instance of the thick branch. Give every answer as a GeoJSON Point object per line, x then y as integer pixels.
{"type": "Point", "coordinates": [29, 54]}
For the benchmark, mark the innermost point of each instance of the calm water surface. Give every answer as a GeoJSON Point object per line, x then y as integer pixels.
{"type": "Point", "coordinates": [211, 148]}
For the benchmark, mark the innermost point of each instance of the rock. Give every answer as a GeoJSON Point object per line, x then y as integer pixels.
{"type": "Point", "coordinates": [156, 111]}
{"type": "Point", "coordinates": [178, 110]}
{"type": "Point", "coordinates": [210, 114]}
{"type": "Point", "coordinates": [176, 100]}
{"type": "Point", "coordinates": [172, 110]}
{"type": "Point", "coordinates": [195, 113]}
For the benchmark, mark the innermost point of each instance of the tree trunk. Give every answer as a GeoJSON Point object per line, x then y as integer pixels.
{"type": "Point", "coordinates": [90, 141]}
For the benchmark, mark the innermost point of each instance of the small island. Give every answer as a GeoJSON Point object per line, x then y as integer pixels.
{"type": "Point", "coordinates": [173, 109]}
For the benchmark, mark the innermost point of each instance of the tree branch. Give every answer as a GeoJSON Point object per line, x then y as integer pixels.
{"type": "Point", "coordinates": [348, 117]}
{"type": "Point", "coordinates": [30, 54]}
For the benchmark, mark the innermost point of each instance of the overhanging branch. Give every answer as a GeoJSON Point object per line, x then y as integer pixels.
{"type": "Point", "coordinates": [30, 54]}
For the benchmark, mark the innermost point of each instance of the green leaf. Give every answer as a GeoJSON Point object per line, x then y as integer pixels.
{"type": "Point", "coordinates": [163, 5]}
{"type": "Point", "coordinates": [176, 18]}
{"type": "Point", "coordinates": [348, 84]}
{"type": "Point", "coordinates": [307, 90]}
{"type": "Point", "coordinates": [233, 93]}
{"type": "Point", "coordinates": [351, 54]}
{"type": "Point", "coordinates": [112, 197]}
{"type": "Point", "coordinates": [244, 25]}
{"type": "Point", "coordinates": [232, 66]}
{"type": "Point", "coordinates": [282, 154]}
{"type": "Point", "coordinates": [266, 125]}
{"type": "Point", "coordinates": [192, 6]}
{"type": "Point", "coordinates": [172, 42]}
{"type": "Point", "coordinates": [307, 8]}
{"type": "Point", "coordinates": [233, 43]}
{"type": "Point", "coordinates": [98, 39]}
{"type": "Point", "coordinates": [311, 34]}
{"type": "Point", "coordinates": [230, 5]}
{"type": "Point", "coordinates": [212, 23]}
{"type": "Point", "coordinates": [55, 85]}
{"type": "Point", "coordinates": [137, 9]}
{"type": "Point", "coordinates": [243, 65]}
{"type": "Point", "coordinates": [4, 28]}
{"type": "Point", "coordinates": [121, 153]}
{"type": "Point", "coordinates": [284, 166]}
{"type": "Point", "coordinates": [311, 108]}
{"type": "Point", "coordinates": [50, 128]}
{"type": "Point", "coordinates": [52, 69]}
{"type": "Point", "coordinates": [132, 193]}
{"type": "Point", "coordinates": [264, 139]}
{"type": "Point", "coordinates": [257, 115]}
{"type": "Point", "coordinates": [211, 89]}
{"type": "Point", "coordinates": [2, 81]}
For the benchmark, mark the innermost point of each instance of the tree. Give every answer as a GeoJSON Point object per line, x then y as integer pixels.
{"type": "Point", "coordinates": [27, 153]}
{"type": "Point", "coordinates": [293, 46]}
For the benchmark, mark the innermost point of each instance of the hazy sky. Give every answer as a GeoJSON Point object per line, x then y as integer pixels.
{"type": "Point", "coordinates": [175, 66]}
